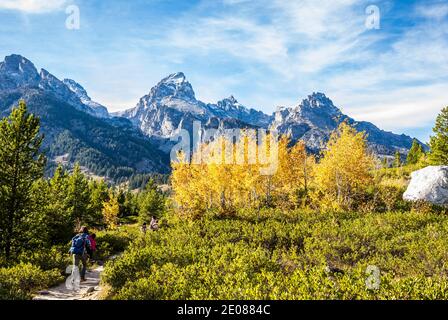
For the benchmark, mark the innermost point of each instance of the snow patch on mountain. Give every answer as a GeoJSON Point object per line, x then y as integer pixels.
{"type": "Point", "coordinates": [316, 117]}
{"type": "Point", "coordinates": [18, 73]}
{"type": "Point", "coordinates": [81, 93]}
{"type": "Point", "coordinates": [171, 105]}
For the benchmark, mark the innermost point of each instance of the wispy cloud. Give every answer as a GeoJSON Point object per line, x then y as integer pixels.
{"type": "Point", "coordinates": [32, 6]}
{"type": "Point", "coordinates": [236, 36]}
{"type": "Point", "coordinates": [404, 86]}
{"type": "Point", "coordinates": [297, 36]}
{"type": "Point", "coordinates": [433, 11]}
{"type": "Point", "coordinates": [390, 76]}
{"type": "Point", "coordinates": [265, 52]}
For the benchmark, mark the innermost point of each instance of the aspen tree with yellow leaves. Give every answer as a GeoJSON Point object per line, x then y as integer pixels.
{"type": "Point", "coordinates": [294, 174]}
{"type": "Point", "coordinates": [345, 170]}
{"type": "Point", "coordinates": [232, 176]}
{"type": "Point", "coordinates": [111, 210]}
{"type": "Point", "coordinates": [190, 193]}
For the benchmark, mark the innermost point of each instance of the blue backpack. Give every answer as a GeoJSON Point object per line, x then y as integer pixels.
{"type": "Point", "coordinates": [78, 244]}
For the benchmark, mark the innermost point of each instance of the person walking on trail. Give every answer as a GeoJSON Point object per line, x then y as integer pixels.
{"type": "Point", "coordinates": [154, 225]}
{"type": "Point", "coordinates": [91, 252]}
{"type": "Point", "coordinates": [144, 228]}
{"type": "Point", "coordinates": [79, 250]}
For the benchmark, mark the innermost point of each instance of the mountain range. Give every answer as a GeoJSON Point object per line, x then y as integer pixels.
{"type": "Point", "coordinates": [171, 105]}
{"type": "Point", "coordinates": [77, 129]}
{"type": "Point", "coordinates": [137, 140]}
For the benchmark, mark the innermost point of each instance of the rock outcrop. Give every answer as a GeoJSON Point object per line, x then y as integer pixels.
{"type": "Point", "coordinates": [316, 117]}
{"type": "Point", "coordinates": [429, 184]}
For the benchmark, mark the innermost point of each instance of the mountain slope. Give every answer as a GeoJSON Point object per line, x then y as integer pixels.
{"type": "Point", "coordinates": [316, 117]}
{"type": "Point", "coordinates": [74, 131]}
{"type": "Point", "coordinates": [81, 93]}
{"type": "Point", "coordinates": [231, 108]}
{"type": "Point", "coordinates": [137, 140]}
{"type": "Point", "coordinates": [171, 105]}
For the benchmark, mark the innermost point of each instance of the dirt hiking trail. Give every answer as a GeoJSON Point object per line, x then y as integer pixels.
{"type": "Point", "coordinates": [88, 290]}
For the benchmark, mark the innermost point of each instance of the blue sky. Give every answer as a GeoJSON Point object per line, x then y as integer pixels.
{"type": "Point", "coordinates": [266, 53]}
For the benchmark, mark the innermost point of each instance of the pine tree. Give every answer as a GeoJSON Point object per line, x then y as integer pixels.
{"type": "Point", "coordinates": [78, 198]}
{"type": "Point", "coordinates": [99, 193]}
{"type": "Point", "coordinates": [385, 163]}
{"type": "Point", "coordinates": [59, 222]}
{"type": "Point", "coordinates": [415, 153]}
{"type": "Point", "coordinates": [121, 198]}
{"type": "Point", "coordinates": [439, 142]}
{"type": "Point", "coordinates": [21, 163]}
{"type": "Point", "coordinates": [39, 234]}
{"type": "Point", "coordinates": [129, 207]}
{"type": "Point", "coordinates": [151, 202]}
{"type": "Point", "coordinates": [397, 160]}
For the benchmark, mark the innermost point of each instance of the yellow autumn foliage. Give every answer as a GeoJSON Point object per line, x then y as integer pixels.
{"type": "Point", "coordinates": [111, 210]}
{"type": "Point", "coordinates": [234, 175]}
{"type": "Point", "coordinates": [345, 171]}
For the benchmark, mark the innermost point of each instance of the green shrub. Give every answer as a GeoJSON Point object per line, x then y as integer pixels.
{"type": "Point", "coordinates": [21, 281]}
{"type": "Point", "coordinates": [56, 257]}
{"type": "Point", "coordinates": [112, 242]}
{"type": "Point", "coordinates": [286, 255]}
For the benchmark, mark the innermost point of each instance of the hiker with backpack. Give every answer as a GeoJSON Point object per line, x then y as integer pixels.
{"type": "Point", "coordinates": [144, 228]}
{"type": "Point", "coordinates": [91, 252]}
{"type": "Point", "coordinates": [154, 224]}
{"type": "Point", "coordinates": [79, 249]}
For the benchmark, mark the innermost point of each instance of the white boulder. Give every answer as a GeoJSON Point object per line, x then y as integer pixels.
{"type": "Point", "coordinates": [429, 184]}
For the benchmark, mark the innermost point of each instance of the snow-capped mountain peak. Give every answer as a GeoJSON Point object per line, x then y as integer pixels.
{"type": "Point", "coordinates": [320, 102]}
{"type": "Point", "coordinates": [49, 81]}
{"type": "Point", "coordinates": [231, 103]}
{"type": "Point", "coordinates": [17, 64]}
{"type": "Point", "coordinates": [172, 105]}
{"type": "Point", "coordinates": [81, 93]}
{"type": "Point", "coordinates": [232, 100]}
{"type": "Point", "coordinates": [173, 86]}
{"type": "Point", "coordinates": [316, 117]}
{"type": "Point", "coordinates": [176, 78]}
{"type": "Point", "coordinates": [77, 88]}
{"type": "Point", "coordinates": [17, 71]}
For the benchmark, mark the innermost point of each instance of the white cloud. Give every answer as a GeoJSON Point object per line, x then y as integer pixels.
{"type": "Point", "coordinates": [236, 36]}
{"type": "Point", "coordinates": [403, 88]}
{"type": "Point", "coordinates": [435, 11]}
{"type": "Point", "coordinates": [299, 37]}
{"type": "Point", "coordinates": [399, 87]}
{"type": "Point", "coordinates": [279, 51]}
{"type": "Point", "coordinates": [398, 109]}
{"type": "Point", "coordinates": [32, 6]}
{"type": "Point", "coordinates": [318, 19]}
